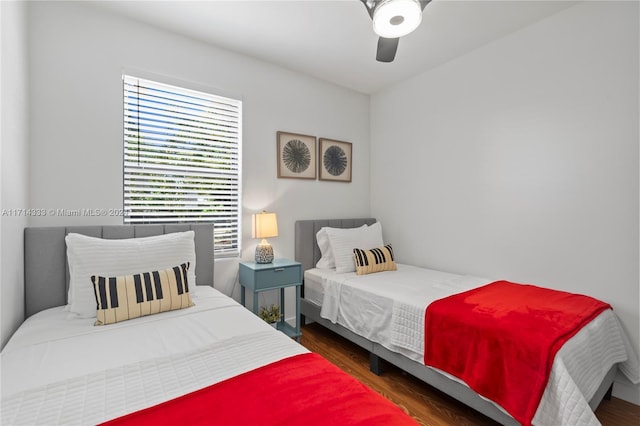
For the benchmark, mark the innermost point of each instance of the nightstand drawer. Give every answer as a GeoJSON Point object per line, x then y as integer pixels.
{"type": "Point", "coordinates": [281, 273]}
{"type": "Point", "coordinates": [283, 276]}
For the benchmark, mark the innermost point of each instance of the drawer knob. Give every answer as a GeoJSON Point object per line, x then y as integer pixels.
{"type": "Point", "coordinates": [279, 269]}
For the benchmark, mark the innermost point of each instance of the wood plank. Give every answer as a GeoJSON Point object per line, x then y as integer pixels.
{"type": "Point", "coordinates": [423, 402]}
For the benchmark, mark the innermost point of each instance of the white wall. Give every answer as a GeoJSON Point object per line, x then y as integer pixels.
{"type": "Point", "coordinates": [14, 157]}
{"type": "Point", "coordinates": [519, 161]}
{"type": "Point", "coordinates": [78, 54]}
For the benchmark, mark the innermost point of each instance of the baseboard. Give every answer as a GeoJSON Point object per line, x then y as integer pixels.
{"type": "Point", "coordinates": [624, 389]}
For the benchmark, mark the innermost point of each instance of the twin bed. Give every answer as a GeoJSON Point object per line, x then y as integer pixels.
{"type": "Point", "coordinates": [209, 361]}
{"type": "Point", "coordinates": [384, 312]}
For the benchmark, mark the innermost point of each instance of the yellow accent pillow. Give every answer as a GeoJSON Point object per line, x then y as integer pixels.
{"type": "Point", "coordinates": [132, 296]}
{"type": "Point", "coordinates": [374, 260]}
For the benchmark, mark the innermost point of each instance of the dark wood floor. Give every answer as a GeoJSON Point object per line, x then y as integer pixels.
{"type": "Point", "coordinates": [424, 403]}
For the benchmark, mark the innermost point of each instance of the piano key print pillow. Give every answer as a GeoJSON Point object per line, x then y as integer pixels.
{"type": "Point", "coordinates": [133, 296]}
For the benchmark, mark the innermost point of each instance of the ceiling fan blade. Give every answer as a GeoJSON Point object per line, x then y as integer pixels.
{"type": "Point", "coordinates": [370, 5]}
{"type": "Point", "coordinates": [424, 3]}
{"type": "Point", "coordinates": [387, 48]}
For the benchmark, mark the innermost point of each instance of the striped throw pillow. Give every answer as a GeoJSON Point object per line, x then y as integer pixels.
{"type": "Point", "coordinates": [132, 296]}
{"type": "Point", "coordinates": [374, 260]}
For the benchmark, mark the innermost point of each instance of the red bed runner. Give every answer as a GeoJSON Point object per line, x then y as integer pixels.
{"type": "Point", "coordinates": [501, 339]}
{"type": "Point", "coordinates": [300, 390]}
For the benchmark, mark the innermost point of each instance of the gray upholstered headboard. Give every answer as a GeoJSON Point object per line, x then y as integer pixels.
{"type": "Point", "coordinates": [307, 251]}
{"type": "Point", "coordinates": [46, 273]}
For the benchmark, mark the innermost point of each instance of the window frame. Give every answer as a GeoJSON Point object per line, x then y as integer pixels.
{"type": "Point", "coordinates": [175, 149]}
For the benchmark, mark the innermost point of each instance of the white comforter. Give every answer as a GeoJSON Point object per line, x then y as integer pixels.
{"type": "Point", "coordinates": [62, 370]}
{"type": "Point", "coordinates": [389, 307]}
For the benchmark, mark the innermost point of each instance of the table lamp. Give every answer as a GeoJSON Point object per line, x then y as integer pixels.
{"type": "Point", "coordinates": [264, 226]}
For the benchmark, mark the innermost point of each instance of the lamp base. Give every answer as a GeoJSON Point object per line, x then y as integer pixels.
{"type": "Point", "coordinates": [264, 253]}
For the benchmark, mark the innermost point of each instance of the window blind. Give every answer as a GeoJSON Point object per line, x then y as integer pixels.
{"type": "Point", "coordinates": [182, 158]}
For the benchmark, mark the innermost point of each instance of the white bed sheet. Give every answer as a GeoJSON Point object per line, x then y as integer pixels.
{"type": "Point", "coordinates": [62, 370]}
{"type": "Point", "coordinates": [388, 308]}
{"type": "Point", "coordinates": [384, 312]}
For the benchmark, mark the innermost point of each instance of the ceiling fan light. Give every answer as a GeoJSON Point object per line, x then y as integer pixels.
{"type": "Point", "coordinates": [396, 18]}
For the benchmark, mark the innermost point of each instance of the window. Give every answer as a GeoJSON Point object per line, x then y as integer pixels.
{"type": "Point", "coordinates": [182, 159]}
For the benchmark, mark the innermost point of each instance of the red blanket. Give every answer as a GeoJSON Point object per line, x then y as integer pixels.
{"type": "Point", "coordinates": [301, 390]}
{"type": "Point", "coordinates": [501, 339]}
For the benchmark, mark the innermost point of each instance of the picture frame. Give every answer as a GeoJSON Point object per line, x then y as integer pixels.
{"type": "Point", "coordinates": [296, 155]}
{"type": "Point", "coordinates": [335, 160]}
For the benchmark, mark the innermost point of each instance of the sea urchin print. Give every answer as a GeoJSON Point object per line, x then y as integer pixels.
{"type": "Point", "coordinates": [335, 160]}
{"type": "Point", "coordinates": [296, 156]}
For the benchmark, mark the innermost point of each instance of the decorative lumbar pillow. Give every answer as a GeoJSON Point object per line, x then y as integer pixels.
{"type": "Point", "coordinates": [343, 241]}
{"type": "Point", "coordinates": [374, 260]}
{"type": "Point", "coordinates": [132, 296]}
{"type": "Point", "coordinates": [327, 260]}
{"type": "Point", "coordinates": [89, 256]}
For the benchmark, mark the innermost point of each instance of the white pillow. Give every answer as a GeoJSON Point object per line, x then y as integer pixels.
{"type": "Point", "coordinates": [89, 256]}
{"type": "Point", "coordinates": [343, 241]}
{"type": "Point", "coordinates": [327, 260]}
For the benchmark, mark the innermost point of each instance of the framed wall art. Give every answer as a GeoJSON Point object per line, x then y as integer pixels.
{"type": "Point", "coordinates": [335, 160]}
{"type": "Point", "coordinates": [296, 156]}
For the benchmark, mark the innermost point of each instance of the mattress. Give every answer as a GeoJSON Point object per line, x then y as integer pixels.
{"type": "Point", "coordinates": [58, 369]}
{"type": "Point", "coordinates": [314, 280]}
{"type": "Point", "coordinates": [388, 308]}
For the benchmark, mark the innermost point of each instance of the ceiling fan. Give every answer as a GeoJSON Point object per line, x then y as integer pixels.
{"type": "Point", "coordinates": [393, 19]}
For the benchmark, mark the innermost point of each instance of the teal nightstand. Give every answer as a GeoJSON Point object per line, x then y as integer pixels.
{"type": "Point", "coordinates": [280, 274]}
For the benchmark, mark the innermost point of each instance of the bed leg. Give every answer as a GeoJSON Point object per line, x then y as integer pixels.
{"type": "Point", "coordinates": [375, 364]}
{"type": "Point", "coordinates": [302, 320]}
{"type": "Point", "coordinates": [609, 393]}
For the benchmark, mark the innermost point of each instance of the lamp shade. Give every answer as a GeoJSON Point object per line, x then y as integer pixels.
{"type": "Point", "coordinates": [265, 225]}
{"type": "Point", "coordinates": [396, 18]}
